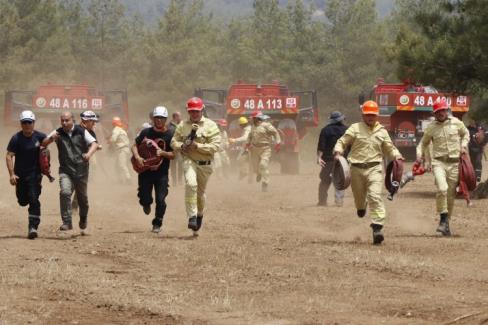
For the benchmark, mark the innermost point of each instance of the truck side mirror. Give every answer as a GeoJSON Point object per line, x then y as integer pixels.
{"type": "Point", "coordinates": [361, 98]}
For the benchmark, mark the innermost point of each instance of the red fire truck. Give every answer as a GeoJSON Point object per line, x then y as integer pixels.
{"type": "Point", "coordinates": [292, 112]}
{"type": "Point", "coordinates": [48, 101]}
{"type": "Point", "coordinates": [405, 109]}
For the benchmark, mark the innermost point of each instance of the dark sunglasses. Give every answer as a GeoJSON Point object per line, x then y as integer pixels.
{"type": "Point", "coordinates": [26, 122]}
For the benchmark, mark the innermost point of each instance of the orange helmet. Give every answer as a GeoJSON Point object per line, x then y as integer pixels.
{"type": "Point", "coordinates": [440, 104]}
{"type": "Point", "coordinates": [370, 107]}
{"type": "Point", "coordinates": [194, 104]}
{"type": "Point", "coordinates": [116, 121]}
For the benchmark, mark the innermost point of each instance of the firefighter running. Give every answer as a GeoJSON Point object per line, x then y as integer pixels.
{"type": "Point", "coordinates": [75, 148]}
{"type": "Point", "coordinates": [176, 165]}
{"type": "Point", "coordinates": [243, 154]}
{"type": "Point", "coordinates": [88, 121]}
{"type": "Point", "coordinates": [449, 138]}
{"type": "Point", "coordinates": [25, 174]}
{"type": "Point", "coordinates": [221, 158]}
{"type": "Point", "coordinates": [120, 143]}
{"type": "Point", "coordinates": [197, 139]}
{"type": "Point", "coordinates": [259, 142]}
{"type": "Point", "coordinates": [370, 143]}
{"type": "Point", "coordinates": [157, 179]}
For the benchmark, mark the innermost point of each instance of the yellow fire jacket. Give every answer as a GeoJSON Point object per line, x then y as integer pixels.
{"type": "Point", "coordinates": [367, 144]}
{"type": "Point", "coordinates": [207, 139]}
{"type": "Point", "coordinates": [262, 135]}
{"type": "Point", "coordinates": [119, 138]}
{"type": "Point", "coordinates": [447, 138]}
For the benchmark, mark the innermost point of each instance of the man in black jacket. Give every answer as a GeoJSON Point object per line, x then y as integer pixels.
{"type": "Point", "coordinates": [75, 148]}
{"type": "Point", "coordinates": [325, 157]}
{"type": "Point", "coordinates": [157, 179]}
{"type": "Point", "coordinates": [477, 142]}
{"type": "Point", "coordinates": [24, 169]}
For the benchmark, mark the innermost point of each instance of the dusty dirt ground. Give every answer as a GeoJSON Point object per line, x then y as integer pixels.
{"type": "Point", "coordinates": [272, 258]}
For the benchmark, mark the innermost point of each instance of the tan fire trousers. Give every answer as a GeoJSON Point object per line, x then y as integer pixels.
{"type": "Point", "coordinates": [221, 162]}
{"type": "Point", "coordinates": [367, 187]}
{"type": "Point", "coordinates": [245, 166]}
{"type": "Point", "coordinates": [196, 179]}
{"type": "Point", "coordinates": [446, 176]}
{"type": "Point", "coordinates": [123, 160]}
{"type": "Point", "coordinates": [260, 162]}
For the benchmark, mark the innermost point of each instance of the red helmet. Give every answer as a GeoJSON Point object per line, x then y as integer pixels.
{"type": "Point", "coordinates": [257, 114]}
{"type": "Point", "coordinates": [194, 104]}
{"type": "Point", "coordinates": [222, 123]}
{"type": "Point", "coordinates": [440, 104]}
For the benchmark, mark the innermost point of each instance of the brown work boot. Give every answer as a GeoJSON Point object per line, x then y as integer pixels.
{"type": "Point", "coordinates": [378, 236]}
{"type": "Point", "coordinates": [443, 227]}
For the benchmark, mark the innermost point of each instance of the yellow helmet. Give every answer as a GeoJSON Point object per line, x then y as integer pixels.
{"type": "Point", "coordinates": [243, 120]}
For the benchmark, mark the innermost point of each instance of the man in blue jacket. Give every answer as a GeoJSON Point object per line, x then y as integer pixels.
{"type": "Point", "coordinates": [325, 157]}
{"type": "Point", "coordinates": [25, 174]}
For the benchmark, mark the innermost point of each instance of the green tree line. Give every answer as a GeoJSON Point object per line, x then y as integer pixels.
{"type": "Point", "coordinates": [96, 42]}
{"type": "Point", "coordinates": [67, 41]}
{"type": "Point", "coordinates": [444, 43]}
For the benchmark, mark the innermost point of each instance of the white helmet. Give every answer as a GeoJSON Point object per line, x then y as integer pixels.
{"type": "Point", "coordinates": [160, 111]}
{"type": "Point", "coordinates": [89, 116]}
{"type": "Point", "coordinates": [27, 116]}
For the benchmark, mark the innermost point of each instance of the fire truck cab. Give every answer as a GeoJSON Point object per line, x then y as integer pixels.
{"type": "Point", "coordinates": [406, 110]}
{"type": "Point", "coordinates": [48, 101]}
{"type": "Point", "coordinates": [291, 112]}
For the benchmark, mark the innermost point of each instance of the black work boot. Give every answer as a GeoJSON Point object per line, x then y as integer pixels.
{"type": "Point", "coordinates": [83, 223]}
{"type": "Point", "coordinates": [66, 226]}
{"type": "Point", "coordinates": [157, 224]}
{"type": "Point", "coordinates": [199, 222]}
{"type": "Point", "coordinates": [147, 209]}
{"type": "Point", "coordinates": [361, 213]}
{"type": "Point", "coordinates": [378, 236]}
{"type": "Point", "coordinates": [32, 227]}
{"type": "Point", "coordinates": [192, 223]}
{"type": "Point", "coordinates": [443, 227]}
{"type": "Point", "coordinates": [32, 233]}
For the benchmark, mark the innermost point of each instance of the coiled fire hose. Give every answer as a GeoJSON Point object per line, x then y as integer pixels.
{"type": "Point", "coordinates": [341, 174]}
{"type": "Point", "coordinates": [393, 177]}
